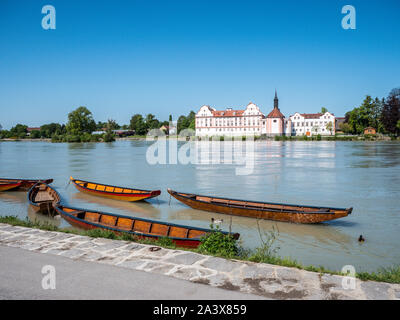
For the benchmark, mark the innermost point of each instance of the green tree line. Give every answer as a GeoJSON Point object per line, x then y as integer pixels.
{"type": "Point", "coordinates": [81, 127]}
{"type": "Point", "coordinates": [381, 114]}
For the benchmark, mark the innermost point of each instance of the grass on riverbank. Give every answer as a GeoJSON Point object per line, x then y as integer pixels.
{"type": "Point", "coordinates": [217, 245]}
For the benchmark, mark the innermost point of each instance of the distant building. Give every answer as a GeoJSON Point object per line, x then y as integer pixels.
{"type": "Point", "coordinates": [312, 124]}
{"type": "Point", "coordinates": [119, 132]}
{"type": "Point", "coordinates": [275, 123]}
{"type": "Point", "coordinates": [369, 130]}
{"type": "Point", "coordinates": [234, 122]}
{"type": "Point", "coordinates": [229, 122]}
{"type": "Point", "coordinates": [124, 133]}
{"type": "Point", "coordinates": [164, 129]}
{"type": "Point", "coordinates": [31, 129]}
{"type": "Point", "coordinates": [172, 128]}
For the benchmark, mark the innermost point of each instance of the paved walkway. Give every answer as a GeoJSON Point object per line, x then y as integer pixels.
{"type": "Point", "coordinates": [264, 280]}
{"type": "Point", "coordinates": [21, 278]}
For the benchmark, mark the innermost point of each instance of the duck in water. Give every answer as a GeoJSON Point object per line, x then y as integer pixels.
{"type": "Point", "coordinates": [216, 221]}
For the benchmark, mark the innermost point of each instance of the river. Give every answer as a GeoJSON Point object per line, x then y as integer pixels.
{"type": "Point", "coordinates": [363, 175]}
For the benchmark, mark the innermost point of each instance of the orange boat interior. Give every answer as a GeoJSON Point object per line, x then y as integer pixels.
{"type": "Point", "coordinates": [252, 205]}
{"type": "Point", "coordinates": [134, 225]}
{"type": "Point", "coordinates": [106, 188]}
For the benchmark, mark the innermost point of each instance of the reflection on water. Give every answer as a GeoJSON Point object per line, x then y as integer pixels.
{"type": "Point", "coordinates": [364, 175]}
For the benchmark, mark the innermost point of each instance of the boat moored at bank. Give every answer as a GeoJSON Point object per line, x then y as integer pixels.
{"type": "Point", "coordinates": [25, 184]}
{"type": "Point", "coordinates": [184, 236]}
{"type": "Point", "coordinates": [261, 210]}
{"type": "Point", "coordinates": [114, 192]}
{"type": "Point", "coordinates": [43, 198]}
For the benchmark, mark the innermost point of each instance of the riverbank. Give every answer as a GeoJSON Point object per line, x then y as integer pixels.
{"type": "Point", "coordinates": [260, 255]}
{"type": "Point", "coordinates": [223, 138]}
{"type": "Point", "coordinates": [269, 281]}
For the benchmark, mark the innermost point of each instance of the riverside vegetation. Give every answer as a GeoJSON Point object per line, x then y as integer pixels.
{"type": "Point", "coordinates": [219, 245]}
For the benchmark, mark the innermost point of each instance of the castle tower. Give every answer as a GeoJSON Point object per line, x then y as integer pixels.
{"type": "Point", "coordinates": [276, 101]}
{"type": "Point", "coordinates": [275, 122]}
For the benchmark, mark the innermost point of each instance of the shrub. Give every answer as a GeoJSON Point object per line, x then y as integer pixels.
{"type": "Point", "coordinates": [86, 137]}
{"type": "Point", "coordinates": [72, 138]}
{"type": "Point", "coordinates": [218, 243]}
{"type": "Point", "coordinates": [267, 252]}
{"type": "Point", "coordinates": [109, 137]}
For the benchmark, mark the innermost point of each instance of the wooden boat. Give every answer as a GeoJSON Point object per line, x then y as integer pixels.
{"type": "Point", "coordinates": [261, 210]}
{"type": "Point", "coordinates": [183, 236]}
{"type": "Point", "coordinates": [26, 184]}
{"type": "Point", "coordinates": [43, 198]}
{"type": "Point", "coordinates": [9, 185]}
{"type": "Point", "coordinates": [113, 192]}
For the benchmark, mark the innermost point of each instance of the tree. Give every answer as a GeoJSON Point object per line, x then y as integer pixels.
{"type": "Point", "coordinates": [112, 125]}
{"type": "Point", "coordinates": [80, 121]}
{"type": "Point", "coordinates": [329, 127]}
{"type": "Point", "coordinates": [137, 124]}
{"type": "Point", "coordinates": [48, 130]}
{"type": "Point", "coordinates": [20, 130]}
{"type": "Point", "coordinates": [391, 112]}
{"type": "Point", "coordinates": [151, 122]}
{"type": "Point", "coordinates": [170, 118]}
{"type": "Point", "coordinates": [182, 123]}
{"type": "Point", "coordinates": [345, 127]}
{"type": "Point", "coordinates": [101, 125]}
{"type": "Point", "coordinates": [109, 135]}
{"type": "Point", "coordinates": [186, 122]}
{"type": "Point", "coordinates": [324, 110]}
{"type": "Point", "coordinates": [366, 115]}
{"type": "Point", "coordinates": [36, 134]}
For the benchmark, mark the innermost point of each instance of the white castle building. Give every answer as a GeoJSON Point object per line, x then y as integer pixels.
{"type": "Point", "coordinates": [313, 123]}
{"type": "Point", "coordinates": [229, 122]}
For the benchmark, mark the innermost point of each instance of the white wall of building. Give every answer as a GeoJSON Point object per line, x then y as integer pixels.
{"type": "Point", "coordinates": [210, 122]}
{"type": "Point", "coordinates": [312, 124]}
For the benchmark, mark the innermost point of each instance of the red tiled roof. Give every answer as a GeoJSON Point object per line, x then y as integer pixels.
{"type": "Point", "coordinates": [228, 113]}
{"type": "Point", "coordinates": [311, 115]}
{"type": "Point", "coordinates": [275, 113]}
{"type": "Point", "coordinates": [33, 129]}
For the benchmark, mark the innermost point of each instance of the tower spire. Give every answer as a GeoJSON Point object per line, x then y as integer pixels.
{"type": "Point", "coordinates": [276, 101]}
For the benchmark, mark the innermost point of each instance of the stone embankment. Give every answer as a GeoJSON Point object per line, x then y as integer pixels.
{"type": "Point", "coordinates": [269, 281]}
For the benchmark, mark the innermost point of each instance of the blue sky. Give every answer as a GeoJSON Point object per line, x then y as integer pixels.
{"type": "Point", "coordinates": [119, 58]}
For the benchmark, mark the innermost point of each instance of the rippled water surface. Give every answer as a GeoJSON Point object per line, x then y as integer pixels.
{"type": "Point", "coordinates": [364, 175]}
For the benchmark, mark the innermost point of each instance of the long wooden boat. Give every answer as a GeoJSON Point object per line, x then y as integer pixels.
{"type": "Point", "coordinates": [114, 192]}
{"type": "Point", "coordinates": [26, 184]}
{"type": "Point", "coordinates": [181, 235]}
{"type": "Point", "coordinates": [261, 210]}
{"type": "Point", "coordinates": [4, 185]}
{"type": "Point", "coordinates": [43, 198]}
